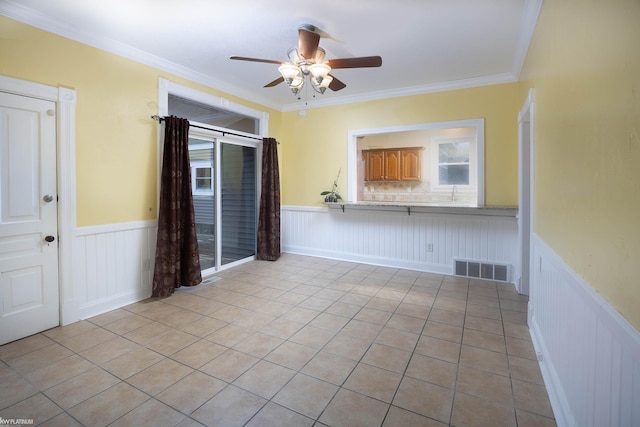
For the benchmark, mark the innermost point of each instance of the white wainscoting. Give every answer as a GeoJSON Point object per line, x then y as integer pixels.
{"type": "Point", "coordinates": [113, 265]}
{"type": "Point", "coordinates": [395, 238]}
{"type": "Point", "coordinates": [590, 355]}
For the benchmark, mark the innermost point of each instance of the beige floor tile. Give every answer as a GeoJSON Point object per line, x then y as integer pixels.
{"type": "Point", "coordinates": [37, 408]}
{"type": "Point", "coordinates": [291, 355]}
{"type": "Point", "coordinates": [354, 298]}
{"type": "Point", "coordinates": [199, 353]}
{"type": "Point", "coordinates": [398, 417]}
{"type": "Point", "coordinates": [229, 365]}
{"type": "Point", "coordinates": [61, 420]}
{"type": "Point", "coordinates": [160, 376]}
{"type": "Point", "coordinates": [520, 348]}
{"type": "Point", "coordinates": [351, 409]}
{"type": "Point", "coordinates": [330, 322]}
{"type": "Point", "coordinates": [445, 316]}
{"type": "Point", "coordinates": [39, 358]}
{"type": "Point", "coordinates": [229, 335]}
{"type": "Point", "coordinates": [274, 308]}
{"type": "Point", "coordinates": [485, 340]}
{"type": "Point", "coordinates": [81, 387]}
{"type": "Point", "coordinates": [373, 382]}
{"type": "Point", "coordinates": [148, 333]}
{"type": "Point", "coordinates": [475, 412]}
{"type": "Point", "coordinates": [230, 407]}
{"type": "Point", "coordinates": [109, 350]}
{"type": "Point", "coordinates": [443, 331]}
{"type": "Point", "coordinates": [300, 314]}
{"type": "Point", "coordinates": [438, 348]}
{"type": "Point", "coordinates": [525, 369]}
{"type": "Point", "coordinates": [347, 346]}
{"type": "Point", "coordinates": [109, 405]}
{"type": "Point", "coordinates": [315, 303]}
{"type": "Point", "coordinates": [272, 415]}
{"type": "Point", "coordinates": [482, 310]}
{"type": "Point", "coordinates": [203, 326]}
{"type": "Point", "coordinates": [406, 323]}
{"type": "Point", "coordinates": [485, 385]}
{"type": "Point", "coordinates": [342, 309]}
{"type": "Point", "coordinates": [516, 330]}
{"type": "Point", "coordinates": [484, 324]}
{"type": "Point", "coordinates": [527, 419]}
{"type": "Point", "coordinates": [191, 392]}
{"type": "Point", "coordinates": [378, 302]}
{"type": "Point", "coordinates": [372, 315]}
{"type": "Point", "coordinates": [312, 337]}
{"type": "Point", "coordinates": [386, 357]}
{"type": "Point", "coordinates": [132, 362]}
{"type": "Point", "coordinates": [413, 310]}
{"type": "Point", "coordinates": [332, 295]}
{"type": "Point", "coordinates": [68, 331]}
{"type": "Point", "coordinates": [433, 370]}
{"type": "Point", "coordinates": [58, 372]}
{"type": "Point", "coordinates": [253, 320]}
{"type": "Point", "coordinates": [14, 387]}
{"type": "Point", "coordinates": [531, 398]}
{"type": "Point", "coordinates": [363, 330]}
{"type": "Point", "coordinates": [171, 343]}
{"type": "Point", "coordinates": [264, 379]}
{"type": "Point", "coordinates": [127, 323]}
{"type": "Point", "coordinates": [258, 344]}
{"type": "Point", "coordinates": [449, 303]}
{"type": "Point", "coordinates": [329, 367]}
{"type": "Point", "coordinates": [399, 339]}
{"type": "Point", "coordinates": [306, 395]}
{"type": "Point", "coordinates": [514, 317]}
{"type": "Point", "coordinates": [484, 360]}
{"type": "Point", "coordinates": [24, 346]}
{"type": "Point", "coordinates": [281, 328]}
{"type": "Point", "coordinates": [424, 398]}
{"type": "Point", "coordinates": [87, 339]}
{"type": "Point", "coordinates": [150, 414]}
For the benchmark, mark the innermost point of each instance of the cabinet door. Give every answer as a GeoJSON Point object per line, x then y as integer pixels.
{"type": "Point", "coordinates": [392, 165]}
{"type": "Point", "coordinates": [375, 165]}
{"type": "Point", "coordinates": [411, 165]}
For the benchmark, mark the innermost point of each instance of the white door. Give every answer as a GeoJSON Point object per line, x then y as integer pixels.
{"type": "Point", "coordinates": [28, 217]}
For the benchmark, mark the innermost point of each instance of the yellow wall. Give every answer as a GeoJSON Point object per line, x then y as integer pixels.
{"type": "Point", "coordinates": [314, 147]}
{"type": "Point", "coordinates": [584, 63]}
{"type": "Point", "coordinates": [116, 141]}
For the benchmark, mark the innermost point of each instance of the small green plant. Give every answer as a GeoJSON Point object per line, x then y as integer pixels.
{"type": "Point", "coordinates": [332, 196]}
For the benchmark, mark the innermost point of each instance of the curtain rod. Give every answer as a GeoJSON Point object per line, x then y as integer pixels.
{"type": "Point", "coordinates": [224, 132]}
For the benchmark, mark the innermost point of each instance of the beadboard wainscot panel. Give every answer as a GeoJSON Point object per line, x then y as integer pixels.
{"type": "Point", "coordinates": [397, 238]}
{"type": "Point", "coordinates": [589, 354]}
{"type": "Point", "coordinates": [114, 265]}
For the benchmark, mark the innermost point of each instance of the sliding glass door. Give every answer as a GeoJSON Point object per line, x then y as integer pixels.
{"type": "Point", "coordinates": [224, 185]}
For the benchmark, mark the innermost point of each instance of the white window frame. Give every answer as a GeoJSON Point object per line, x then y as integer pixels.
{"type": "Point", "coordinates": [435, 162]}
{"type": "Point", "coordinates": [201, 164]}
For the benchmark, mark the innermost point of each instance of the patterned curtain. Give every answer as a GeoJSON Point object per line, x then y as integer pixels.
{"type": "Point", "coordinates": [177, 257]}
{"type": "Point", "coordinates": [269, 220]}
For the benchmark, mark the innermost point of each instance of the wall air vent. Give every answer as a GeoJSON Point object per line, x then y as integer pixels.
{"type": "Point", "coordinates": [481, 270]}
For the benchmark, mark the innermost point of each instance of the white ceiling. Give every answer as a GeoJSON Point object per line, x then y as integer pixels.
{"type": "Point", "coordinates": [425, 45]}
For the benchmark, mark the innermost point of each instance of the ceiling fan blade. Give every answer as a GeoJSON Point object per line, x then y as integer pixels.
{"type": "Point", "coordinates": [308, 42]}
{"type": "Point", "coordinates": [276, 82]}
{"type": "Point", "coordinates": [359, 62]}
{"type": "Point", "coordinates": [267, 61]}
{"type": "Point", "coordinates": [336, 84]}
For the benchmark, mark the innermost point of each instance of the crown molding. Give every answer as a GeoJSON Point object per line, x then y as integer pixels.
{"type": "Point", "coordinates": [528, 23]}
{"type": "Point", "coordinates": [408, 91]}
{"type": "Point", "coordinates": [20, 13]}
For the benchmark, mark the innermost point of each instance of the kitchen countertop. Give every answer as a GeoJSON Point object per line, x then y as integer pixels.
{"type": "Point", "coordinates": [440, 208]}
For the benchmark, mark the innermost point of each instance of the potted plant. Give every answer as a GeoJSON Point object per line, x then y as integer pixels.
{"type": "Point", "coordinates": [332, 196]}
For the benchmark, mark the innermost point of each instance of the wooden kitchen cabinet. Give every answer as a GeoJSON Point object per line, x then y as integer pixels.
{"type": "Point", "coordinates": [401, 164]}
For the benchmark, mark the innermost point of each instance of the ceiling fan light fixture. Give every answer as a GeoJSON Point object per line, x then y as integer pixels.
{"type": "Point", "coordinates": [319, 72]}
{"type": "Point", "coordinates": [289, 72]}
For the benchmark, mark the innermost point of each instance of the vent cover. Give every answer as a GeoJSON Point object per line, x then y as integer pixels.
{"type": "Point", "coordinates": [481, 270]}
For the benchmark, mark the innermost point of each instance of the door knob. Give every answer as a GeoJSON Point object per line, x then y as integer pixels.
{"type": "Point", "coordinates": [48, 198]}
{"type": "Point", "coordinates": [49, 239]}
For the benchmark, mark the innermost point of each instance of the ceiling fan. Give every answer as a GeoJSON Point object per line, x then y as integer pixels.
{"type": "Point", "coordinates": [308, 61]}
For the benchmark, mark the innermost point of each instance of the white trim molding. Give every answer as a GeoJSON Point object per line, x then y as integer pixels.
{"type": "Point", "coordinates": [65, 100]}
{"type": "Point", "coordinates": [589, 354]}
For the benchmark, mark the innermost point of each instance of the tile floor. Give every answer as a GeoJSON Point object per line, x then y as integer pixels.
{"type": "Point", "coordinates": [298, 342]}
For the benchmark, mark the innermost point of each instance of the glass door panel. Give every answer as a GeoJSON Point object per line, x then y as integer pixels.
{"type": "Point", "coordinates": [202, 159]}
{"type": "Point", "coordinates": [239, 201]}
